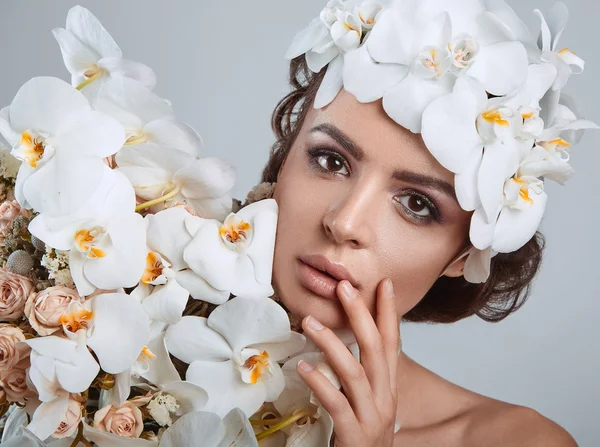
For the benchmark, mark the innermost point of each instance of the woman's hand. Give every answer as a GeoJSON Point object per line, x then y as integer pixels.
{"type": "Point", "coordinates": [365, 414]}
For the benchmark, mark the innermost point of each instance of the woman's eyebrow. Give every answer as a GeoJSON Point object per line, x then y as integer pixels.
{"type": "Point", "coordinates": [405, 176]}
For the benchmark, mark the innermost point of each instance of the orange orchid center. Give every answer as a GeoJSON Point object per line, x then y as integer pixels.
{"type": "Point", "coordinates": [146, 354]}
{"type": "Point", "coordinates": [495, 117]}
{"type": "Point", "coordinates": [154, 268]}
{"type": "Point", "coordinates": [32, 149]}
{"type": "Point", "coordinates": [257, 365]}
{"type": "Point", "coordinates": [235, 231]}
{"type": "Point", "coordinates": [85, 241]}
{"type": "Point", "coordinates": [76, 319]}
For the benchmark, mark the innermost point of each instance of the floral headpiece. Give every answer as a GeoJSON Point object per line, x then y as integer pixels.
{"type": "Point", "coordinates": [484, 93]}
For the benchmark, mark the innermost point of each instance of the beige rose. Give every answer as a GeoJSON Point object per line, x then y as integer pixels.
{"type": "Point", "coordinates": [9, 210]}
{"type": "Point", "coordinates": [43, 309]}
{"type": "Point", "coordinates": [14, 291]}
{"type": "Point", "coordinates": [14, 382]}
{"type": "Point", "coordinates": [11, 351]}
{"type": "Point", "coordinates": [125, 421]}
{"type": "Point", "coordinates": [71, 419]}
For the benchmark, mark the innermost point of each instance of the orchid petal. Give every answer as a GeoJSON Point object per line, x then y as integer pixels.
{"type": "Point", "coordinates": [213, 375]}
{"type": "Point", "coordinates": [296, 393]}
{"type": "Point", "coordinates": [199, 289]}
{"type": "Point", "coordinates": [166, 303]}
{"type": "Point", "coordinates": [192, 339]}
{"type": "Point", "coordinates": [88, 29]}
{"type": "Point", "coordinates": [280, 351]}
{"type": "Point", "coordinates": [11, 136]}
{"type": "Point", "coordinates": [516, 227]}
{"type": "Point", "coordinates": [391, 40]}
{"type": "Point", "coordinates": [306, 39]}
{"type": "Point", "coordinates": [208, 178]}
{"type": "Point", "coordinates": [192, 427]}
{"type": "Point", "coordinates": [76, 263]}
{"type": "Point", "coordinates": [25, 171]}
{"type": "Point", "coordinates": [501, 68]}
{"type": "Point", "coordinates": [250, 321]}
{"type": "Point", "coordinates": [190, 397]}
{"type": "Point", "coordinates": [77, 56]}
{"type": "Point", "coordinates": [407, 100]}
{"type": "Point", "coordinates": [331, 84]}
{"type": "Point", "coordinates": [161, 370]}
{"type": "Point", "coordinates": [119, 321]}
{"type": "Point", "coordinates": [46, 104]}
{"type": "Point", "coordinates": [125, 261]}
{"type": "Point", "coordinates": [167, 235]}
{"type": "Point", "coordinates": [212, 208]}
{"type": "Point", "coordinates": [465, 184]}
{"type": "Point", "coordinates": [557, 19]}
{"type": "Point", "coordinates": [500, 162]}
{"type": "Point", "coordinates": [449, 125]}
{"type": "Point", "coordinates": [275, 384]}
{"type": "Point", "coordinates": [171, 133]}
{"type": "Point", "coordinates": [94, 134]}
{"type": "Point", "coordinates": [477, 266]}
{"type": "Point", "coordinates": [481, 232]}
{"type": "Point", "coordinates": [238, 431]}
{"type": "Point", "coordinates": [48, 416]}
{"type": "Point", "coordinates": [317, 60]}
{"type": "Point", "coordinates": [118, 67]}
{"type": "Point", "coordinates": [368, 80]}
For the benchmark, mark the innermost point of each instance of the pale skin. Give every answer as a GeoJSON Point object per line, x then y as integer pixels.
{"type": "Point", "coordinates": [374, 216]}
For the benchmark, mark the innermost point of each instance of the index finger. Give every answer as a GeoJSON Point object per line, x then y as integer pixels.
{"type": "Point", "coordinates": [389, 328]}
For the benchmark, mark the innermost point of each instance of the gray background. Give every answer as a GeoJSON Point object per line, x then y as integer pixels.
{"type": "Point", "coordinates": [221, 64]}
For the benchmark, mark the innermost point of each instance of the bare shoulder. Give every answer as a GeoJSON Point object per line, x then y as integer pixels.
{"type": "Point", "coordinates": [496, 423]}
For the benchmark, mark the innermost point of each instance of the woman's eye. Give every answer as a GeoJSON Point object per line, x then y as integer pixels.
{"type": "Point", "coordinates": [416, 205]}
{"type": "Point", "coordinates": [331, 163]}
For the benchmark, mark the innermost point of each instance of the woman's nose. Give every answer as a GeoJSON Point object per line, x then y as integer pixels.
{"type": "Point", "coordinates": [352, 217]}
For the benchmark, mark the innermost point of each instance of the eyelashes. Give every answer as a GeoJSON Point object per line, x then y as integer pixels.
{"type": "Point", "coordinates": [331, 162]}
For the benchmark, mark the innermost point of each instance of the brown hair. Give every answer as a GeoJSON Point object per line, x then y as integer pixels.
{"type": "Point", "coordinates": [449, 299]}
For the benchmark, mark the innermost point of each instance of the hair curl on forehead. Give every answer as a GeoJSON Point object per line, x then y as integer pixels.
{"type": "Point", "coordinates": [449, 299]}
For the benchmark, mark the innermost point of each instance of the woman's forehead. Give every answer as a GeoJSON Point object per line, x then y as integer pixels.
{"type": "Point", "coordinates": [382, 140]}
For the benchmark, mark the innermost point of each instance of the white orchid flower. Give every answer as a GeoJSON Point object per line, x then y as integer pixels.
{"type": "Point", "coordinates": [168, 281]}
{"type": "Point", "coordinates": [416, 51]}
{"type": "Point", "coordinates": [62, 142]}
{"type": "Point", "coordinates": [237, 255]}
{"type": "Point", "coordinates": [481, 139]}
{"type": "Point", "coordinates": [59, 364]}
{"type": "Point", "coordinates": [156, 173]}
{"type": "Point", "coordinates": [106, 238]}
{"type": "Point", "coordinates": [92, 56]}
{"type": "Point", "coordinates": [517, 218]}
{"type": "Point", "coordinates": [147, 118]}
{"type": "Point", "coordinates": [341, 27]}
{"type": "Point", "coordinates": [316, 426]}
{"type": "Point", "coordinates": [233, 354]}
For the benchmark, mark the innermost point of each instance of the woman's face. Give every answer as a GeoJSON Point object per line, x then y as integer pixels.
{"type": "Point", "coordinates": [364, 194]}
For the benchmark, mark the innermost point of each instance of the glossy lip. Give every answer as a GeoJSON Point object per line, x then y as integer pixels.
{"type": "Point", "coordinates": [337, 271]}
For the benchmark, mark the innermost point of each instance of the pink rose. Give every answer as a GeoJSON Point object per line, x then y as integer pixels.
{"type": "Point", "coordinates": [14, 291]}
{"type": "Point", "coordinates": [14, 382]}
{"type": "Point", "coordinates": [9, 210]}
{"type": "Point", "coordinates": [125, 421]}
{"type": "Point", "coordinates": [11, 351]}
{"type": "Point", "coordinates": [43, 309]}
{"type": "Point", "coordinates": [71, 419]}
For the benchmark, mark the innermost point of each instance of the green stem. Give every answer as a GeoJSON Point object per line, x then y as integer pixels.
{"type": "Point", "coordinates": [88, 81]}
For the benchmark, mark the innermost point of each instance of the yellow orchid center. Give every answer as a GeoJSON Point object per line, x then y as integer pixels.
{"type": "Point", "coordinates": [558, 144]}
{"type": "Point", "coordinates": [565, 51]}
{"type": "Point", "coordinates": [368, 21]}
{"type": "Point", "coordinates": [86, 240]}
{"type": "Point", "coordinates": [257, 365]}
{"type": "Point", "coordinates": [154, 268]}
{"type": "Point", "coordinates": [32, 149]}
{"type": "Point", "coordinates": [146, 354]}
{"type": "Point", "coordinates": [524, 190]}
{"type": "Point", "coordinates": [527, 115]}
{"type": "Point", "coordinates": [495, 117]}
{"type": "Point", "coordinates": [76, 319]}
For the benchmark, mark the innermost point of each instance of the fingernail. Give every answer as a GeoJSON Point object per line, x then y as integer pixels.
{"type": "Point", "coordinates": [348, 290]}
{"type": "Point", "coordinates": [313, 323]}
{"type": "Point", "coordinates": [305, 366]}
{"type": "Point", "coordinates": [389, 287]}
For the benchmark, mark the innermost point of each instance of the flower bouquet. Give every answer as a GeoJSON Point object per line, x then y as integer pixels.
{"type": "Point", "coordinates": [112, 228]}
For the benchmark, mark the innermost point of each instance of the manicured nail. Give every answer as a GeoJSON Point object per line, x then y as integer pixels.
{"type": "Point", "coordinates": [349, 291]}
{"type": "Point", "coordinates": [389, 287]}
{"type": "Point", "coordinates": [305, 366]}
{"type": "Point", "coordinates": [314, 324]}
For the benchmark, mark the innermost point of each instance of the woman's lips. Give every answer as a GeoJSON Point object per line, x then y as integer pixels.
{"type": "Point", "coordinates": [316, 281]}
